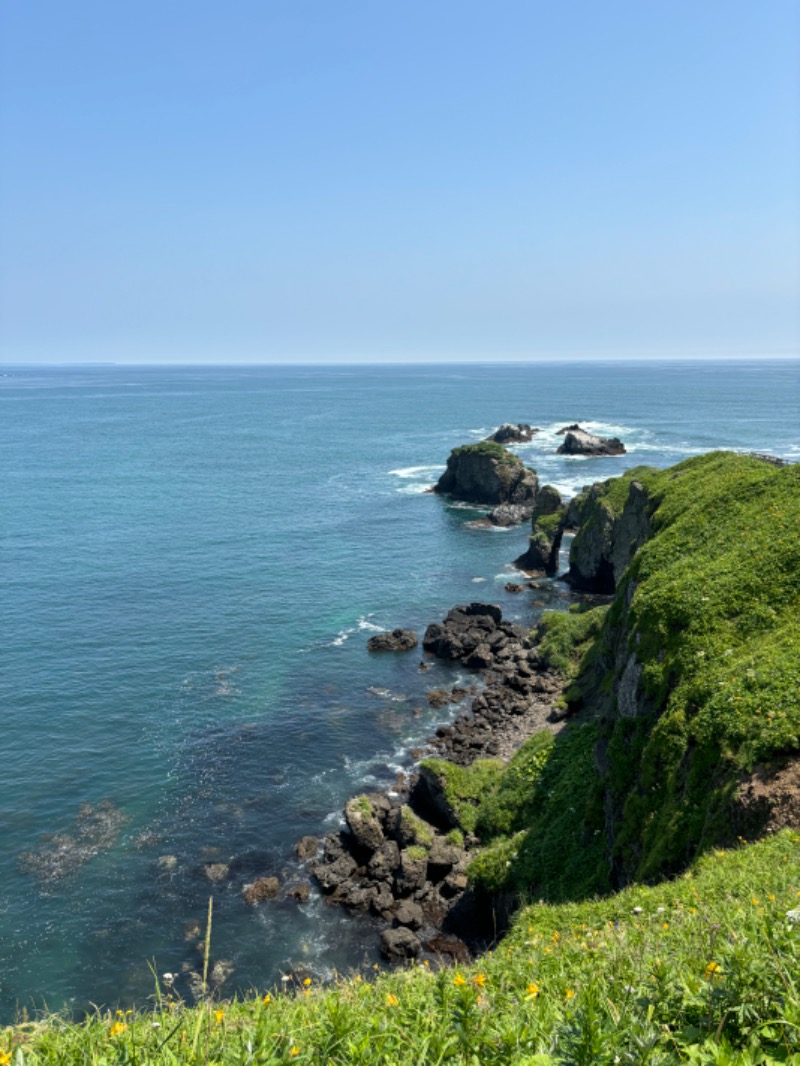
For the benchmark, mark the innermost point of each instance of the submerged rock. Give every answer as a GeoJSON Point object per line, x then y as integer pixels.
{"type": "Point", "coordinates": [396, 640]}
{"type": "Point", "coordinates": [260, 889]}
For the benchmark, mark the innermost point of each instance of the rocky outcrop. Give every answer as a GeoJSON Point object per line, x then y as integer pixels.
{"type": "Point", "coordinates": [513, 433]}
{"type": "Point", "coordinates": [548, 522]}
{"type": "Point", "coordinates": [487, 474]}
{"type": "Point", "coordinates": [607, 539]}
{"type": "Point", "coordinates": [260, 889]}
{"type": "Point", "coordinates": [578, 442]}
{"type": "Point", "coordinates": [396, 640]}
{"type": "Point", "coordinates": [474, 633]}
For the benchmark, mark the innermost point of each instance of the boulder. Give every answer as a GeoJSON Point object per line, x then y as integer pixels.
{"type": "Point", "coordinates": [486, 473]}
{"type": "Point", "coordinates": [400, 943]}
{"type": "Point", "coordinates": [412, 872]}
{"type": "Point", "coordinates": [384, 862]}
{"type": "Point", "coordinates": [260, 889]}
{"type": "Point", "coordinates": [568, 429]}
{"type": "Point", "coordinates": [396, 640]}
{"type": "Point", "coordinates": [507, 515]}
{"type": "Point", "coordinates": [332, 874]}
{"type": "Point", "coordinates": [364, 816]}
{"type": "Point", "coordinates": [579, 442]}
{"type": "Point", "coordinates": [300, 892]}
{"type": "Point", "coordinates": [513, 433]}
{"type": "Point", "coordinates": [409, 913]}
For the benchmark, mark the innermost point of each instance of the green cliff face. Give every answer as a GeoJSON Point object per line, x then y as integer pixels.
{"type": "Point", "coordinates": [686, 716]}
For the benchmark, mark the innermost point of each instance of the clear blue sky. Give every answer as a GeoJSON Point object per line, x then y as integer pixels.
{"type": "Point", "coordinates": [287, 180]}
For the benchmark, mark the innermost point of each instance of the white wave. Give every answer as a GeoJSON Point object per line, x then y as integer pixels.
{"type": "Point", "coordinates": [416, 488]}
{"type": "Point", "coordinates": [414, 471]}
{"type": "Point", "coordinates": [477, 580]}
{"type": "Point", "coordinates": [364, 623]}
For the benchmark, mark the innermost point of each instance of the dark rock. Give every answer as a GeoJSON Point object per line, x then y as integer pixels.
{"type": "Point", "coordinates": [409, 913]}
{"type": "Point", "coordinates": [487, 474]}
{"type": "Point", "coordinates": [411, 875]}
{"type": "Point", "coordinates": [306, 848]}
{"type": "Point", "coordinates": [512, 586]}
{"type": "Point", "coordinates": [385, 861]}
{"type": "Point", "coordinates": [442, 858]}
{"type": "Point", "coordinates": [508, 514]}
{"type": "Point", "coordinates": [300, 892]}
{"type": "Point", "coordinates": [579, 442]}
{"type": "Point", "coordinates": [396, 640]}
{"type": "Point", "coordinates": [447, 947]}
{"type": "Point", "coordinates": [399, 944]}
{"type": "Point", "coordinates": [261, 889]}
{"type": "Point", "coordinates": [606, 542]}
{"type": "Point", "coordinates": [332, 874]}
{"type": "Point", "coordinates": [480, 658]}
{"type": "Point", "coordinates": [438, 697]}
{"type": "Point", "coordinates": [513, 433]}
{"type": "Point", "coordinates": [568, 429]}
{"type": "Point", "coordinates": [429, 798]}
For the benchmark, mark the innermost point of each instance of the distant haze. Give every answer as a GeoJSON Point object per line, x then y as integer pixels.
{"type": "Point", "coordinates": [266, 181]}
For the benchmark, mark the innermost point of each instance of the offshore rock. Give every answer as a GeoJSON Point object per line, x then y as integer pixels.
{"type": "Point", "coordinates": [396, 640]}
{"type": "Point", "coordinates": [486, 473]}
{"type": "Point", "coordinates": [579, 442]}
{"type": "Point", "coordinates": [260, 889]}
{"type": "Point", "coordinates": [513, 433]}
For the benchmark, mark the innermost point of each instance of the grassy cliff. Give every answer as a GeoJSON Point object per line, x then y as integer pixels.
{"type": "Point", "coordinates": [649, 929]}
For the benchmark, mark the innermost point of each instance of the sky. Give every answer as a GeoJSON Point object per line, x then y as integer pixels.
{"type": "Point", "coordinates": [187, 181]}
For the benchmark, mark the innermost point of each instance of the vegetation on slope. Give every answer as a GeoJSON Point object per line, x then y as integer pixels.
{"type": "Point", "coordinates": [703, 969]}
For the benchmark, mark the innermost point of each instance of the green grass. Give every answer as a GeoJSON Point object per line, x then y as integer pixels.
{"type": "Point", "coordinates": [703, 969]}
{"type": "Point", "coordinates": [465, 786]}
{"type": "Point", "coordinates": [490, 448]}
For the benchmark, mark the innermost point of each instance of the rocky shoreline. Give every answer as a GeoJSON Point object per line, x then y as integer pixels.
{"type": "Point", "coordinates": [402, 857]}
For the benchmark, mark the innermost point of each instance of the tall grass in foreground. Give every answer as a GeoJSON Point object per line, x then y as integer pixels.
{"type": "Point", "coordinates": [704, 969]}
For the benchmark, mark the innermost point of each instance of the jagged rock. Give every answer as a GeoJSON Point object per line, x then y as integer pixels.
{"type": "Point", "coordinates": [480, 658]}
{"type": "Point", "coordinates": [363, 815]}
{"type": "Point", "coordinates": [260, 889]}
{"type": "Point", "coordinates": [464, 629]}
{"type": "Point", "coordinates": [513, 433]}
{"type": "Point", "coordinates": [548, 501]}
{"type": "Point", "coordinates": [396, 640]}
{"type": "Point", "coordinates": [399, 944]}
{"type": "Point", "coordinates": [409, 914]}
{"type": "Point", "coordinates": [216, 871]}
{"type": "Point", "coordinates": [442, 858]}
{"type": "Point", "coordinates": [385, 861]}
{"type": "Point", "coordinates": [508, 514]}
{"type": "Point", "coordinates": [306, 848]}
{"type": "Point", "coordinates": [383, 902]}
{"type": "Point", "coordinates": [411, 875]}
{"type": "Point", "coordinates": [438, 697]}
{"type": "Point", "coordinates": [488, 474]}
{"type": "Point", "coordinates": [567, 429]}
{"type": "Point", "coordinates": [429, 797]}
{"type": "Point", "coordinates": [300, 892]}
{"type": "Point", "coordinates": [332, 874]}
{"type": "Point", "coordinates": [513, 586]}
{"type": "Point", "coordinates": [579, 442]}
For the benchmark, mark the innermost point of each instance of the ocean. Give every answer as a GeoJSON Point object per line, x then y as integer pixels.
{"type": "Point", "coordinates": [193, 560]}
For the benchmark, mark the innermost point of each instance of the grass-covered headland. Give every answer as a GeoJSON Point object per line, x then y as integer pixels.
{"type": "Point", "coordinates": [651, 849]}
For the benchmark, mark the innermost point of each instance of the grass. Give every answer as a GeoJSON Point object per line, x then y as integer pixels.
{"type": "Point", "coordinates": [702, 969]}
{"type": "Point", "coordinates": [491, 449]}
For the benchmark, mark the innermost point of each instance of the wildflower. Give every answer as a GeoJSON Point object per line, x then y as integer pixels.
{"type": "Point", "coordinates": [117, 1028]}
{"type": "Point", "coordinates": [555, 937]}
{"type": "Point", "coordinates": [392, 1000]}
{"type": "Point", "coordinates": [295, 1050]}
{"type": "Point", "coordinates": [665, 925]}
{"type": "Point", "coordinates": [480, 980]}
{"type": "Point", "coordinates": [771, 897]}
{"type": "Point", "coordinates": [218, 1016]}
{"type": "Point", "coordinates": [712, 969]}
{"type": "Point", "coordinates": [5, 1058]}
{"type": "Point", "coordinates": [120, 1013]}
{"type": "Point", "coordinates": [755, 902]}
{"type": "Point", "coordinates": [307, 981]}
{"type": "Point", "coordinates": [793, 917]}
{"type": "Point", "coordinates": [267, 1000]}
{"type": "Point", "coordinates": [569, 994]}
{"type": "Point", "coordinates": [458, 980]}
{"type": "Point", "coordinates": [168, 978]}
{"type": "Point", "coordinates": [533, 990]}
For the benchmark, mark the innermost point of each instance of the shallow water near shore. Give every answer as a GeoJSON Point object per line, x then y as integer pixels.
{"type": "Point", "coordinates": [194, 560]}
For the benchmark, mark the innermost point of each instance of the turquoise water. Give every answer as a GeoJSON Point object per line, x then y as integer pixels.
{"type": "Point", "coordinates": [193, 560]}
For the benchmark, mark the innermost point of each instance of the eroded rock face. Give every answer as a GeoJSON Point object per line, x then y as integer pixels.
{"type": "Point", "coordinates": [546, 533]}
{"type": "Point", "coordinates": [579, 442]}
{"type": "Point", "coordinates": [396, 640]}
{"type": "Point", "coordinates": [488, 474]}
{"type": "Point", "coordinates": [513, 433]}
{"type": "Point", "coordinates": [606, 542]}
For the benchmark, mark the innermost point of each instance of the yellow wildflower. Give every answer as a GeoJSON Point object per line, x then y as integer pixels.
{"type": "Point", "coordinates": [755, 902]}
{"type": "Point", "coordinates": [569, 994]}
{"type": "Point", "coordinates": [392, 1000]}
{"type": "Point", "coordinates": [307, 981]}
{"type": "Point", "coordinates": [218, 1016]}
{"type": "Point", "coordinates": [295, 1050]}
{"type": "Point", "coordinates": [267, 1000]}
{"type": "Point", "coordinates": [665, 925]}
{"type": "Point", "coordinates": [771, 897]}
{"type": "Point", "coordinates": [712, 969]}
{"type": "Point", "coordinates": [480, 979]}
{"type": "Point", "coordinates": [117, 1028]}
{"type": "Point", "coordinates": [458, 980]}
{"type": "Point", "coordinates": [533, 990]}
{"type": "Point", "coordinates": [5, 1058]}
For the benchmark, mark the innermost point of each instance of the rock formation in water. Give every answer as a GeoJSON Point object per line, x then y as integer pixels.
{"type": "Point", "coordinates": [578, 442]}
{"type": "Point", "coordinates": [513, 433]}
{"type": "Point", "coordinates": [487, 474]}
